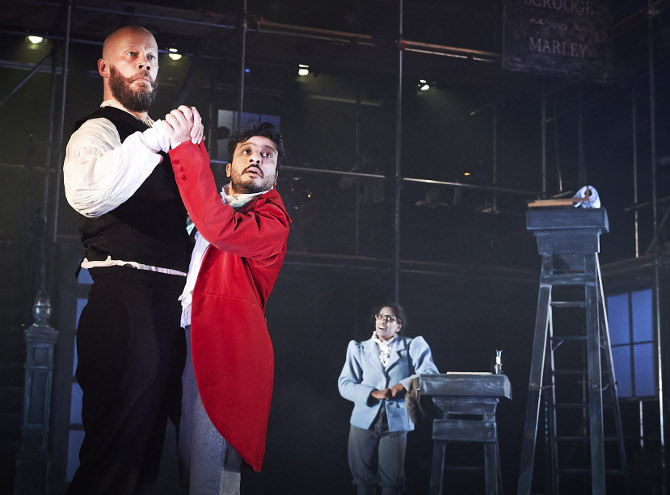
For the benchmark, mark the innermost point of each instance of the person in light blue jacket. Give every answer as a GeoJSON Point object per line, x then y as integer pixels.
{"type": "Point", "coordinates": [375, 377]}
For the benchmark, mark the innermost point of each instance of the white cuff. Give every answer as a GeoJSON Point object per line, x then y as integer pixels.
{"type": "Point", "coordinates": [156, 137]}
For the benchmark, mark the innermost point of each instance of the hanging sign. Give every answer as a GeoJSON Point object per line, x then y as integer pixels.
{"type": "Point", "coordinates": [570, 38]}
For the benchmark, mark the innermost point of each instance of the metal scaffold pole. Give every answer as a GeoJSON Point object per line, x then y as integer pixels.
{"type": "Point", "coordinates": [398, 158]}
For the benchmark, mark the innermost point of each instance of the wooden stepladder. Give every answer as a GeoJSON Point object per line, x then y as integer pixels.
{"type": "Point", "coordinates": [569, 241]}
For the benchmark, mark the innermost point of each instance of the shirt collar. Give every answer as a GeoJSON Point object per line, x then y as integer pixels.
{"type": "Point", "coordinates": [384, 348]}
{"type": "Point", "coordinates": [113, 103]}
{"type": "Point", "coordinates": [385, 343]}
{"type": "Point", "coordinates": [238, 200]}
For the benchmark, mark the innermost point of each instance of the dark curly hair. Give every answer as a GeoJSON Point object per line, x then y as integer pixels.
{"type": "Point", "coordinates": [399, 313]}
{"type": "Point", "coordinates": [251, 129]}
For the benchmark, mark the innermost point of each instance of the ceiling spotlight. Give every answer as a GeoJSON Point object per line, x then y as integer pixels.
{"type": "Point", "coordinates": [35, 40]}
{"type": "Point", "coordinates": [303, 69]}
{"type": "Point", "coordinates": [174, 54]}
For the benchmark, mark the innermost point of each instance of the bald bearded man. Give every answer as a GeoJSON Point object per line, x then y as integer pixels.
{"type": "Point", "coordinates": [131, 349]}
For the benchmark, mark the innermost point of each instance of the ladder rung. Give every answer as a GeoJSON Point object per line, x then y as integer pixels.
{"type": "Point", "coordinates": [569, 337]}
{"type": "Point", "coordinates": [568, 304]}
{"type": "Point", "coordinates": [566, 279]}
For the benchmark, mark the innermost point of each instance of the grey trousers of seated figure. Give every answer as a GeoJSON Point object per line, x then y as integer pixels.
{"type": "Point", "coordinates": [209, 465]}
{"type": "Point", "coordinates": [377, 458]}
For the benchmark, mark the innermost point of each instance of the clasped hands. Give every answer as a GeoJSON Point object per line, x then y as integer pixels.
{"type": "Point", "coordinates": [395, 392]}
{"type": "Point", "coordinates": [182, 124]}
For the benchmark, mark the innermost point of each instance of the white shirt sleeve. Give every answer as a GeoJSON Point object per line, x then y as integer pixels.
{"type": "Point", "coordinates": [100, 172]}
{"type": "Point", "coordinates": [186, 298]}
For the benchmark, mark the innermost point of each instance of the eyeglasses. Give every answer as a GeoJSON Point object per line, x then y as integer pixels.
{"type": "Point", "coordinates": [386, 318]}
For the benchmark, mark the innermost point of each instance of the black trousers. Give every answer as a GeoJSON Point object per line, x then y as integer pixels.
{"type": "Point", "coordinates": [131, 355]}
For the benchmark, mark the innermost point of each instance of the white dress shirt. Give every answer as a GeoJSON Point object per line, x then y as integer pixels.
{"type": "Point", "coordinates": [100, 172]}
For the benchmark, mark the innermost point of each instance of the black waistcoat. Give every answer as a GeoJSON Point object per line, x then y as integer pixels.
{"type": "Point", "coordinates": [150, 226]}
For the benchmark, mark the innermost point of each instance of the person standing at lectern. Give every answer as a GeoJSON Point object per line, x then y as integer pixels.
{"type": "Point", "coordinates": [375, 377]}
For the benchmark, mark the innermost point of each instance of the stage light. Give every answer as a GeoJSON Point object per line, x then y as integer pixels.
{"type": "Point", "coordinates": [35, 40]}
{"type": "Point", "coordinates": [466, 173]}
{"type": "Point", "coordinates": [423, 85]}
{"type": "Point", "coordinates": [303, 69]}
{"type": "Point", "coordinates": [174, 54]}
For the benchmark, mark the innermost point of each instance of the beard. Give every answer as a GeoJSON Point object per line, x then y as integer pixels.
{"type": "Point", "coordinates": [134, 100]}
{"type": "Point", "coordinates": [247, 187]}
{"type": "Point", "coordinates": [240, 185]}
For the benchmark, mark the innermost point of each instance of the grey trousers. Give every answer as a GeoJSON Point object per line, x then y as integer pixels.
{"type": "Point", "coordinates": [209, 465]}
{"type": "Point", "coordinates": [377, 457]}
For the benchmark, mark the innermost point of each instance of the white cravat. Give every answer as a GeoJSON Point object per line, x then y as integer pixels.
{"type": "Point", "coordinates": [384, 349]}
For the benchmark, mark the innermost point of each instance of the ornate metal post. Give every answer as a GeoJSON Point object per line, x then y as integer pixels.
{"type": "Point", "coordinates": [33, 459]}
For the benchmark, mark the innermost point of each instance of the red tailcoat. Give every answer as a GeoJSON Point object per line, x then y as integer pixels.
{"type": "Point", "coordinates": [230, 346]}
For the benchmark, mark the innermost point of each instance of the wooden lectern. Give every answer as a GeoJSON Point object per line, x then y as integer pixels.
{"type": "Point", "coordinates": [467, 403]}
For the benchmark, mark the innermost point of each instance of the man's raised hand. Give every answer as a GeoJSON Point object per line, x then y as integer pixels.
{"type": "Point", "coordinates": [198, 130]}
{"type": "Point", "coordinates": [180, 125]}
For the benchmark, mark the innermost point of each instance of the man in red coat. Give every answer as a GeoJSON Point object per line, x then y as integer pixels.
{"type": "Point", "coordinates": [240, 248]}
